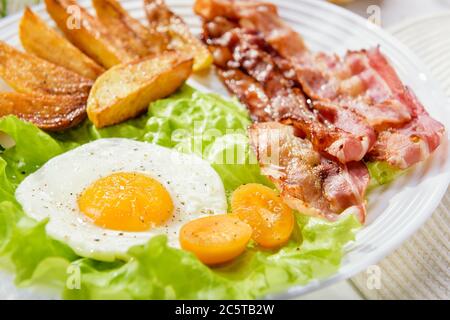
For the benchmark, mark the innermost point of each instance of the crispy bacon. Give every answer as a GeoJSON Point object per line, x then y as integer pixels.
{"type": "Point", "coordinates": [249, 92]}
{"type": "Point", "coordinates": [308, 182]}
{"type": "Point", "coordinates": [217, 28]}
{"type": "Point", "coordinates": [255, 15]}
{"type": "Point", "coordinates": [284, 100]}
{"type": "Point", "coordinates": [412, 141]}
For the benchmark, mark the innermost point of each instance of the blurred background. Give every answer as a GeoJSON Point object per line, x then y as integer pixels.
{"type": "Point", "coordinates": [11, 6]}
{"type": "Point", "coordinates": [392, 10]}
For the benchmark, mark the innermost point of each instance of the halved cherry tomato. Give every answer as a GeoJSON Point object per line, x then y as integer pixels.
{"type": "Point", "coordinates": [271, 219]}
{"type": "Point", "coordinates": [215, 239]}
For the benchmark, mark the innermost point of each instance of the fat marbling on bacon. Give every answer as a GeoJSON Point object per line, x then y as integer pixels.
{"type": "Point", "coordinates": [308, 182]}
{"type": "Point", "coordinates": [414, 141]}
{"type": "Point", "coordinates": [362, 81]}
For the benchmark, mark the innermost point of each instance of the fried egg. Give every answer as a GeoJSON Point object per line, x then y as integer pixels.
{"type": "Point", "coordinates": [111, 194]}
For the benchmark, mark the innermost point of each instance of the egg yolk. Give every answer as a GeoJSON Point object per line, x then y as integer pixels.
{"type": "Point", "coordinates": [127, 202]}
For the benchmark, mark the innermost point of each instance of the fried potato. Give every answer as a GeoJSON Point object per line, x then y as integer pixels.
{"type": "Point", "coordinates": [162, 19]}
{"type": "Point", "coordinates": [87, 33]}
{"type": "Point", "coordinates": [135, 36]}
{"type": "Point", "coordinates": [37, 37]}
{"type": "Point", "coordinates": [52, 113]}
{"type": "Point", "coordinates": [27, 73]}
{"type": "Point", "coordinates": [126, 90]}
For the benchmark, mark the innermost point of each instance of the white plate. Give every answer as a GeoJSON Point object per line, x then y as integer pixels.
{"type": "Point", "coordinates": [395, 212]}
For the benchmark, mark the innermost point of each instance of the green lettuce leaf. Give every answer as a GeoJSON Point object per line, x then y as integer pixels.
{"type": "Point", "coordinates": [189, 121]}
{"type": "Point", "coordinates": [157, 271]}
{"type": "Point", "coordinates": [382, 173]}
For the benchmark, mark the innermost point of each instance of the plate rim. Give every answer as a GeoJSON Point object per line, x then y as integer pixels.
{"type": "Point", "coordinates": [407, 22]}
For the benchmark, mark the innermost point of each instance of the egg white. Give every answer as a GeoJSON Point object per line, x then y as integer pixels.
{"type": "Point", "coordinates": [52, 191]}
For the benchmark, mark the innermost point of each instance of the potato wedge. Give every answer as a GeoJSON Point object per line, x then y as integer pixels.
{"type": "Point", "coordinates": [162, 19]}
{"type": "Point", "coordinates": [130, 31]}
{"type": "Point", "coordinates": [126, 90]}
{"type": "Point", "coordinates": [37, 37]}
{"type": "Point", "coordinates": [51, 113]}
{"type": "Point", "coordinates": [87, 33]}
{"type": "Point", "coordinates": [27, 73]}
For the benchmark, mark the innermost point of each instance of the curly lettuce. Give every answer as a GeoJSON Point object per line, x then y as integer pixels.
{"type": "Point", "coordinates": [189, 121]}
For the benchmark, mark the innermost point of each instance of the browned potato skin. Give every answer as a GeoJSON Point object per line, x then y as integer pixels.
{"type": "Point", "coordinates": [90, 36]}
{"type": "Point", "coordinates": [126, 90]}
{"type": "Point", "coordinates": [161, 18]}
{"type": "Point", "coordinates": [51, 113]}
{"type": "Point", "coordinates": [133, 35]}
{"type": "Point", "coordinates": [27, 73]}
{"type": "Point", "coordinates": [41, 40]}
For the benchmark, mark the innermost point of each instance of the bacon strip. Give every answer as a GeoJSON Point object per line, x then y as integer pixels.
{"type": "Point", "coordinates": [308, 182]}
{"type": "Point", "coordinates": [414, 142]}
{"type": "Point", "coordinates": [255, 15]}
{"type": "Point", "coordinates": [283, 99]}
{"type": "Point", "coordinates": [354, 83]}
{"type": "Point", "coordinates": [249, 92]}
